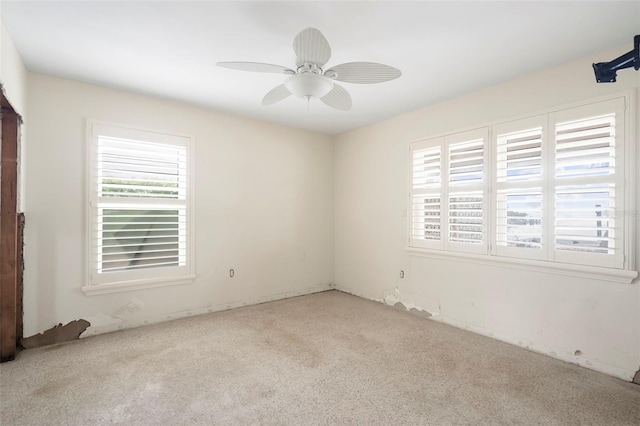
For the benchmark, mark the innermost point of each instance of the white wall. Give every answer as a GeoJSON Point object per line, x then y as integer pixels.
{"type": "Point", "coordinates": [13, 76]}
{"type": "Point", "coordinates": [12, 72]}
{"type": "Point", "coordinates": [263, 206]}
{"type": "Point", "coordinates": [553, 314]}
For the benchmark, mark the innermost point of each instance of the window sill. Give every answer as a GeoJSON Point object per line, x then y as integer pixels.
{"type": "Point", "coordinates": [582, 271]}
{"type": "Point", "coordinates": [118, 287]}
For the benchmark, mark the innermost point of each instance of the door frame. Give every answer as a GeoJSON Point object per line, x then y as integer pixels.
{"type": "Point", "coordinates": [10, 233]}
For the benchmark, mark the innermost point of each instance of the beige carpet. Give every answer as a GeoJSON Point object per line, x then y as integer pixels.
{"type": "Point", "coordinates": [327, 358]}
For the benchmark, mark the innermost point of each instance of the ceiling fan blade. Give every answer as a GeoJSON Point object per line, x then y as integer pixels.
{"type": "Point", "coordinates": [363, 72]}
{"type": "Point", "coordinates": [277, 94]}
{"type": "Point", "coordinates": [338, 98]}
{"type": "Point", "coordinates": [256, 67]}
{"type": "Point", "coordinates": [311, 46]}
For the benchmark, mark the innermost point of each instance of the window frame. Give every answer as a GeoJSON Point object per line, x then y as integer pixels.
{"type": "Point", "coordinates": [117, 281]}
{"type": "Point", "coordinates": [549, 261]}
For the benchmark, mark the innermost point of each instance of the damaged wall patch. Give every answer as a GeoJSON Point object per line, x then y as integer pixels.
{"type": "Point", "coordinates": [57, 334]}
{"type": "Point", "coordinates": [400, 306]}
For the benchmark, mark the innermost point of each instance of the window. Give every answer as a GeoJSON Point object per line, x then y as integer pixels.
{"type": "Point", "coordinates": [139, 208]}
{"type": "Point", "coordinates": [547, 188]}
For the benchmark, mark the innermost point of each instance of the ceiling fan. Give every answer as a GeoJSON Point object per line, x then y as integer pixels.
{"type": "Point", "coordinates": [310, 80]}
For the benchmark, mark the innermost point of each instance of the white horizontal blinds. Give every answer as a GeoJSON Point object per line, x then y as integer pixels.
{"type": "Point", "coordinates": [135, 239]}
{"type": "Point", "coordinates": [588, 182]}
{"type": "Point", "coordinates": [140, 204]}
{"type": "Point", "coordinates": [142, 170]}
{"type": "Point", "coordinates": [466, 191]}
{"type": "Point", "coordinates": [426, 193]}
{"type": "Point", "coordinates": [519, 193]}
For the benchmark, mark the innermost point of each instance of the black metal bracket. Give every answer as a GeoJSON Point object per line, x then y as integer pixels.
{"type": "Point", "coordinates": [606, 71]}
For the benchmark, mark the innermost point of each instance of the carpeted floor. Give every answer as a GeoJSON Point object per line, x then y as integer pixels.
{"type": "Point", "coordinates": [327, 358]}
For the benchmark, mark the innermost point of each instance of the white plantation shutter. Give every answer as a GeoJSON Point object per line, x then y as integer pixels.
{"type": "Point", "coordinates": [588, 182]}
{"type": "Point", "coordinates": [466, 191]}
{"type": "Point", "coordinates": [426, 194]}
{"type": "Point", "coordinates": [519, 199]}
{"type": "Point", "coordinates": [139, 205]}
{"type": "Point", "coordinates": [548, 188]}
{"type": "Point", "coordinates": [449, 192]}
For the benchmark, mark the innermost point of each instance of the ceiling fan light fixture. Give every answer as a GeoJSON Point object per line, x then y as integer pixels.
{"type": "Point", "coordinates": [308, 85]}
{"type": "Point", "coordinates": [310, 80]}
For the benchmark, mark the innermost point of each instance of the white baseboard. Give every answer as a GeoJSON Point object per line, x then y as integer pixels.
{"type": "Point", "coordinates": [559, 354]}
{"type": "Point", "coordinates": [118, 324]}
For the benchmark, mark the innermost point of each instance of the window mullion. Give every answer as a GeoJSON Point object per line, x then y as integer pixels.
{"type": "Point", "coordinates": [444, 200]}
{"type": "Point", "coordinates": [549, 183]}
{"type": "Point", "coordinates": [489, 190]}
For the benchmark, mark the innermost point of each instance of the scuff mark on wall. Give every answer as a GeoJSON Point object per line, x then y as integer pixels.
{"type": "Point", "coordinates": [102, 320]}
{"type": "Point", "coordinates": [132, 306]}
{"type": "Point", "coordinates": [57, 334]}
{"type": "Point", "coordinates": [116, 320]}
{"type": "Point", "coordinates": [636, 378]}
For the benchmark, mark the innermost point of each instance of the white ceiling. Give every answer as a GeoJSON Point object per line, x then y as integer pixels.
{"type": "Point", "coordinates": [444, 49]}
